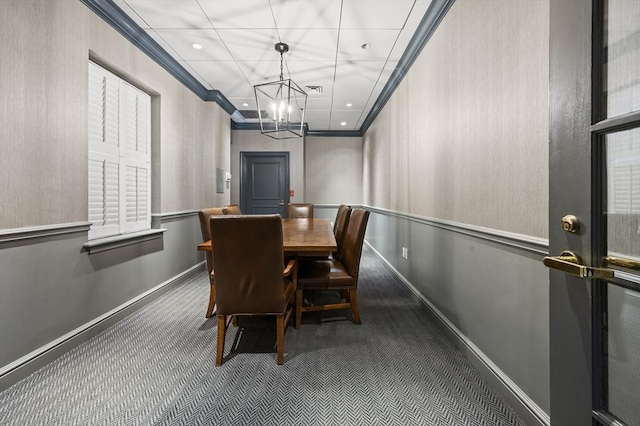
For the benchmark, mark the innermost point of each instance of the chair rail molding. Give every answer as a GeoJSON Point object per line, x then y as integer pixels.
{"type": "Point", "coordinates": [535, 245]}
{"type": "Point", "coordinates": [17, 234]}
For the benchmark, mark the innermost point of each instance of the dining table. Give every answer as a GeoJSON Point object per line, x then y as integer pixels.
{"type": "Point", "coordinates": [302, 237]}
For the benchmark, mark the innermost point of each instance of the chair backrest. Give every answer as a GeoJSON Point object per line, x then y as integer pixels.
{"type": "Point", "coordinates": [249, 264]}
{"type": "Point", "coordinates": [232, 209]}
{"type": "Point", "coordinates": [204, 216]}
{"type": "Point", "coordinates": [300, 210]}
{"type": "Point", "coordinates": [353, 240]}
{"type": "Point", "coordinates": [340, 228]}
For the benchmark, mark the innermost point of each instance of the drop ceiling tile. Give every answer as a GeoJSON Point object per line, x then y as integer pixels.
{"type": "Point", "coordinates": [245, 14]}
{"type": "Point", "coordinates": [375, 14]}
{"type": "Point", "coordinates": [310, 45]}
{"type": "Point", "coordinates": [306, 14]}
{"type": "Point", "coordinates": [224, 76]}
{"type": "Point", "coordinates": [181, 40]}
{"type": "Point", "coordinates": [349, 117]}
{"type": "Point", "coordinates": [127, 9]}
{"type": "Point", "coordinates": [356, 77]}
{"type": "Point", "coordinates": [419, 9]}
{"type": "Point", "coordinates": [258, 72]}
{"type": "Point", "coordinates": [313, 73]}
{"type": "Point", "coordinates": [318, 104]}
{"type": "Point", "coordinates": [158, 39]}
{"type": "Point", "coordinates": [239, 103]}
{"type": "Point", "coordinates": [340, 101]}
{"type": "Point", "coordinates": [254, 45]}
{"type": "Point", "coordinates": [170, 13]}
{"type": "Point", "coordinates": [318, 120]}
{"type": "Point", "coordinates": [195, 74]}
{"type": "Point", "coordinates": [381, 43]}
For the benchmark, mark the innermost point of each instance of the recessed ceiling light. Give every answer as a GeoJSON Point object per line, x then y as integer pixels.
{"type": "Point", "coordinates": [365, 46]}
{"type": "Point", "coordinates": [344, 123]}
{"type": "Point", "coordinates": [349, 104]}
{"type": "Point", "coordinates": [245, 104]}
{"type": "Point", "coordinates": [196, 46]}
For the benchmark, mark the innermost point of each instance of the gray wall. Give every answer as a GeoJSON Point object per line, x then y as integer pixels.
{"type": "Point", "coordinates": [456, 170]}
{"type": "Point", "coordinates": [50, 287]}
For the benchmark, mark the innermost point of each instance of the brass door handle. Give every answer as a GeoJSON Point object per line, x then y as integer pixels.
{"type": "Point", "coordinates": [570, 263]}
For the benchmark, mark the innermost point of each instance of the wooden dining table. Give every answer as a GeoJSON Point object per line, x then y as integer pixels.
{"type": "Point", "coordinates": [304, 237]}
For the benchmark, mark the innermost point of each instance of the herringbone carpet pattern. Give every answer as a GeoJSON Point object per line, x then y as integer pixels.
{"type": "Point", "coordinates": [156, 367]}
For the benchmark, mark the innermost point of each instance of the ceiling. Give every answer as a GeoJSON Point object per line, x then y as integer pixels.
{"type": "Point", "coordinates": [325, 38]}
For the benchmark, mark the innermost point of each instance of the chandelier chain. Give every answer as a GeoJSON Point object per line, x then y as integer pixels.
{"type": "Point", "coordinates": [281, 69]}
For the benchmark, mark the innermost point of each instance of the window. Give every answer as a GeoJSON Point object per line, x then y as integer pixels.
{"type": "Point", "coordinates": [119, 155]}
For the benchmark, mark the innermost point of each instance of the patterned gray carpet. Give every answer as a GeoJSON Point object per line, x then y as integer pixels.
{"type": "Point", "coordinates": [156, 367]}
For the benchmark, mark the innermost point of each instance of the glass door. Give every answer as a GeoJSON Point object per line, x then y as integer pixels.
{"type": "Point", "coordinates": [617, 131]}
{"type": "Point", "coordinates": [594, 235]}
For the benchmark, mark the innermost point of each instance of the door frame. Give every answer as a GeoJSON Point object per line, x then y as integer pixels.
{"type": "Point", "coordinates": [244, 186]}
{"type": "Point", "coordinates": [570, 192]}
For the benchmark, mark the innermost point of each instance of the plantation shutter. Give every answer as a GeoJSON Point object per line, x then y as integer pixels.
{"type": "Point", "coordinates": [104, 172]}
{"type": "Point", "coordinates": [119, 164]}
{"type": "Point", "coordinates": [136, 160]}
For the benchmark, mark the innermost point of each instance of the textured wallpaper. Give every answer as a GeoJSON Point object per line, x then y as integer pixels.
{"type": "Point", "coordinates": [43, 116]}
{"type": "Point", "coordinates": [465, 136]}
{"type": "Point", "coordinates": [333, 173]}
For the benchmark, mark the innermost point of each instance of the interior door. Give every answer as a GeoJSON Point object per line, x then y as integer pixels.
{"type": "Point", "coordinates": [264, 182]}
{"type": "Point", "coordinates": [594, 208]}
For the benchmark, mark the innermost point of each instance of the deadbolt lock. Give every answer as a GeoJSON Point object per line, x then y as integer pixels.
{"type": "Point", "coordinates": [570, 223]}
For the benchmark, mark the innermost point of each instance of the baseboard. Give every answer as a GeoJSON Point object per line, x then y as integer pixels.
{"type": "Point", "coordinates": [515, 397]}
{"type": "Point", "coordinates": [30, 363]}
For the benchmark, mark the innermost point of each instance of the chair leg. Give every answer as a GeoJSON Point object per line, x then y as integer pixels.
{"type": "Point", "coordinates": [212, 301]}
{"type": "Point", "coordinates": [280, 337]}
{"type": "Point", "coordinates": [353, 299]}
{"type": "Point", "coordinates": [222, 328]}
{"type": "Point", "coordinates": [298, 308]}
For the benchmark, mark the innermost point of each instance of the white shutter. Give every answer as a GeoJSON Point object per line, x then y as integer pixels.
{"type": "Point", "coordinates": [104, 196]}
{"type": "Point", "coordinates": [104, 120]}
{"type": "Point", "coordinates": [119, 155]}
{"type": "Point", "coordinates": [136, 116]}
{"type": "Point", "coordinates": [137, 212]}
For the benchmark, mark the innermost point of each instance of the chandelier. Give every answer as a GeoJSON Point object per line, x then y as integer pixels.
{"type": "Point", "coordinates": [281, 104]}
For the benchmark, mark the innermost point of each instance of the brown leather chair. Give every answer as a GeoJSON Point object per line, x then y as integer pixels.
{"type": "Point", "coordinates": [232, 209]}
{"type": "Point", "coordinates": [340, 228]}
{"type": "Point", "coordinates": [249, 273]}
{"type": "Point", "coordinates": [300, 210]}
{"type": "Point", "coordinates": [341, 275]}
{"type": "Point", "coordinates": [204, 216]}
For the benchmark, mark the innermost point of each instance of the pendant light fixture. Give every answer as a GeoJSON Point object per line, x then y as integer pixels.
{"type": "Point", "coordinates": [281, 104]}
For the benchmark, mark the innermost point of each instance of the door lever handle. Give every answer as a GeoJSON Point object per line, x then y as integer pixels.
{"type": "Point", "coordinates": [281, 203]}
{"type": "Point", "coordinates": [571, 263]}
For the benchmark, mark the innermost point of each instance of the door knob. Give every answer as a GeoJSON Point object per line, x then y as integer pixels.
{"type": "Point", "coordinates": [571, 263]}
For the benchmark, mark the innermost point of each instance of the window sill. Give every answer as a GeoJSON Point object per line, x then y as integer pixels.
{"type": "Point", "coordinates": [109, 243]}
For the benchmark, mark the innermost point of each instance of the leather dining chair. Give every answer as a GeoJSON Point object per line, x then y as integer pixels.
{"type": "Point", "coordinates": [204, 216]}
{"type": "Point", "coordinates": [340, 275]}
{"type": "Point", "coordinates": [300, 210]}
{"type": "Point", "coordinates": [232, 209]}
{"type": "Point", "coordinates": [340, 228]}
{"type": "Point", "coordinates": [249, 273]}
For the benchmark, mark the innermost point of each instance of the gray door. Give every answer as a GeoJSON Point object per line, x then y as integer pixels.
{"type": "Point", "coordinates": [264, 182]}
{"type": "Point", "coordinates": [595, 186]}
